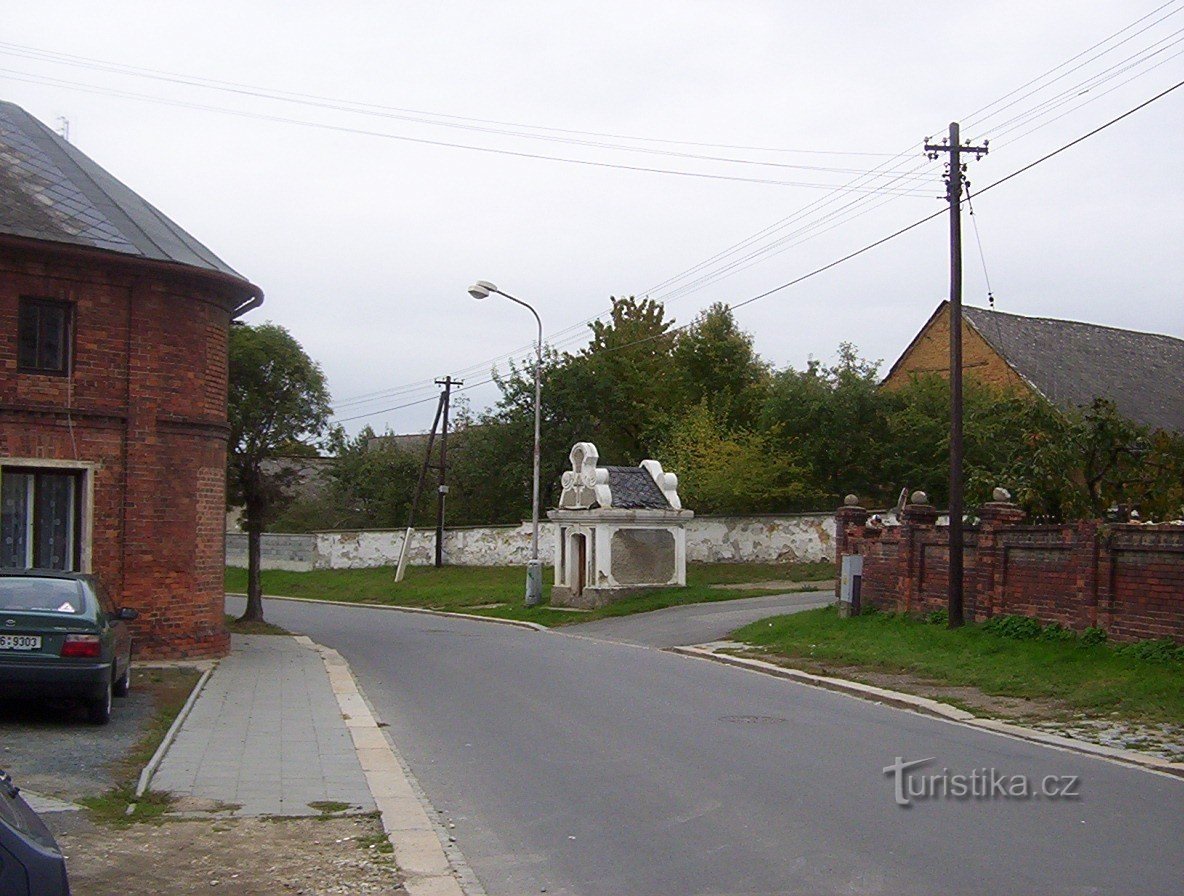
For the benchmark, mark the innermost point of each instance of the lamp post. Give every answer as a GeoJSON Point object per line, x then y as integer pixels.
{"type": "Point", "coordinates": [482, 289]}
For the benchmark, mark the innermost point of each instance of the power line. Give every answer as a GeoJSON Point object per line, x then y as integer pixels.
{"type": "Point", "coordinates": [423, 141]}
{"type": "Point", "coordinates": [340, 104]}
{"type": "Point", "coordinates": [850, 255]}
{"type": "Point", "coordinates": [869, 202]}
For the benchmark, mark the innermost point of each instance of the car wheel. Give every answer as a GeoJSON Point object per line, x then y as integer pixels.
{"type": "Point", "coordinates": [98, 710]}
{"type": "Point", "coordinates": [123, 683]}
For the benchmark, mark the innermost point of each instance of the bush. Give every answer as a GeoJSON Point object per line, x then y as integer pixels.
{"type": "Point", "coordinates": [1162, 650]}
{"type": "Point", "coordinates": [1093, 635]}
{"type": "Point", "coordinates": [1057, 632]}
{"type": "Point", "coordinates": [1018, 628]}
{"type": "Point", "coordinates": [938, 617]}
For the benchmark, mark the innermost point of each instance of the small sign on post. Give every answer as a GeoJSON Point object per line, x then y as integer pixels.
{"type": "Point", "coordinates": [850, 584]}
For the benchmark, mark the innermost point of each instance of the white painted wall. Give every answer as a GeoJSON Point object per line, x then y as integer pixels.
{"type": "Point", "coordinates": [781, 538]}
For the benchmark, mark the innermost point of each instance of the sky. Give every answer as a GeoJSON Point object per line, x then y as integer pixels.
{"type": "Point", "coordinates": [365, 162]}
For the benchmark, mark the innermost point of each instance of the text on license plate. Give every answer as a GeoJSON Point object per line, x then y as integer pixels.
{"type": "Point", "coordinates": [20, 642]}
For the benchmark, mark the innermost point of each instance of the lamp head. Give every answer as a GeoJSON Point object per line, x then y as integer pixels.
{"type": "Point", "coordinates": [482, 289]}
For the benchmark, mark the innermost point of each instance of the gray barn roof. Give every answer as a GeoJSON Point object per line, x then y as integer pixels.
{"type": "Point", "coordinates": [51, 191]}
{"type": "Point", "coordinates": [1072, 363]}
{"type": "Point", "coordinates": [633, 488]}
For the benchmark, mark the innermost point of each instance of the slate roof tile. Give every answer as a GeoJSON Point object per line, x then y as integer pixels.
{"type": "Point", "coordinates": [1071, 363]}
{"type": "Point", "coordinates": [51, 191]}
{"type": "Point", "coordinates": [633, 488]}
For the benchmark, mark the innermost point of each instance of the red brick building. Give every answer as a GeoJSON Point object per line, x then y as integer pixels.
{"type": "Point", "coordinates": [113, 366]}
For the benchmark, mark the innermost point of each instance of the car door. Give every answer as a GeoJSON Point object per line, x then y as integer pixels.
{"type": "Point", "coordinates": [112, 627]}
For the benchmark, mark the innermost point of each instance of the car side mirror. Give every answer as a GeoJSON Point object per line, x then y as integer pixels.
{"type": "Point", "coordinates": [126, 613]}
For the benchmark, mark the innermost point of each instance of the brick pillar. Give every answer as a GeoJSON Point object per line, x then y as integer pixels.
{"type": "Point", "coordinates": [917, 514]}
{"type": "Point", "coordinates": [995, 516]}
{"type": "Point", "coordinates": [849, 516]}
{"type": "Point", "coordinates": [1085, 565]}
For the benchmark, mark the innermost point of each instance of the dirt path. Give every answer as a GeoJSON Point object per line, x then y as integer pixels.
{"type": "Point", "coordinates": [240, 856]}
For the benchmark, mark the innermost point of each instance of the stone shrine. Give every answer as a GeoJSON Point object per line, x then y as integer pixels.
{"type": "Point", "coordinates": [621, 530]}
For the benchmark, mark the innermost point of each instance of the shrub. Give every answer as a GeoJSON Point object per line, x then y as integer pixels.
{"type": "Point", "coordinates": [1093, 635]}
{"type": "Point", "coordinates": [1162, 650]}
{"type": "Point", "coordinates": [1018, 628]}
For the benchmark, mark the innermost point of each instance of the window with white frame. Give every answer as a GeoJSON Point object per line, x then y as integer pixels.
{"type": "Point", "coordinates": [40, 518]}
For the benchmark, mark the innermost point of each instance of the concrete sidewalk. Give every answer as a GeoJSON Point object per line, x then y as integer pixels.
{"type": "Point", "coordinates": [267, 734]}
{"type": "Point", "coordinates": [281, 728]}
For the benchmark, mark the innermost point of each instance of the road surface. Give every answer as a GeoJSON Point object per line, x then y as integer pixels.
{"type": "Point", "coordinates": [570, 765]}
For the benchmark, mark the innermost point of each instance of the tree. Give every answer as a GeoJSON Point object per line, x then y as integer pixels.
{"type": "Point", "coordinates": [834, 416]}
{"type": "Point", "coordinates": [372, 485]}
{"type": "Point", "coordinates": [1079, 464]}
{"type": "Point", "coordinates": [624, 373]}
{"type": "Point", "coordinates": [733, 471]}
{"type": "Point", "coordinates": [714, 361]}
{"type": "Point", "coordinates": [278, 398]}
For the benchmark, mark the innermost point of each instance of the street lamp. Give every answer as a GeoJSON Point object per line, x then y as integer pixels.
{"type": "Point", "coordinates": [482, 289]}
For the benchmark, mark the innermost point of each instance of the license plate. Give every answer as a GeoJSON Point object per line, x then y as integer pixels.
{"type": "Point", "coordinates": [20, 642]}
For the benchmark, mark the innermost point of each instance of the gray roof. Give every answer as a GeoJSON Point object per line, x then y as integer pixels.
{"type": "Point", "coordinates": [1072, 363]}
{"type": "Point", "coordinates": [51, 191]}
{"type": "Point", "coordinates": [633, 488]}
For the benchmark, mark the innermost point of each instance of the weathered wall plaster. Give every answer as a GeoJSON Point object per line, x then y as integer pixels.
{"type": "Point", "coordinates": [785, 538]}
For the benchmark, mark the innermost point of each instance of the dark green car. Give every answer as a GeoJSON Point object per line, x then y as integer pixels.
{"type": "Point", "coordinates": [62, 637]}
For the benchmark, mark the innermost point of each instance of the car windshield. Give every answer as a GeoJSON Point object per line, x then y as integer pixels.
{"type": "Point", "coordinates": [38, 595]}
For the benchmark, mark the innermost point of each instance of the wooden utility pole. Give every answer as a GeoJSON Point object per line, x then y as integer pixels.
{"type": "Point", "coordinates": [955, 181]}
{"type": "Point", "coordinates": [423, 478]}
{"type": "Point", "coordinates": [442, 489]}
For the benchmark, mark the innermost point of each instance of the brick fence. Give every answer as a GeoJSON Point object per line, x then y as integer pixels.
{"type": "Point", "coordinates": [1125, 579]}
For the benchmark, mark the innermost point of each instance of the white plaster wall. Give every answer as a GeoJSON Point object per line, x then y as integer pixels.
{"type": "Point", "coordinates": [790, 538]}
{"type": "Point", "coordinates": [475, 546]}
{"type": "Point", "coordinates": [796, 538]}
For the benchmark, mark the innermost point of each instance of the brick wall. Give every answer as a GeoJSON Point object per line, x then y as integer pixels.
{"type": "Point", "coordinates": [1127, 580]}
{"type": "Point", "coordinates": [147, 415]}
{"type": "Point", "coordinates": [930, 353]}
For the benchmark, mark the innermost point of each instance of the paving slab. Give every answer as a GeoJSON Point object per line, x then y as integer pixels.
{"type": "Point", "coordinates": [267, 735]}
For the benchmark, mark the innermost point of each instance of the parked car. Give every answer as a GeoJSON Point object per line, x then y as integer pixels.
{"type": "Point", "coordinates": [31, 864]}
{"type": "Point", "coordinates": [62, 636]}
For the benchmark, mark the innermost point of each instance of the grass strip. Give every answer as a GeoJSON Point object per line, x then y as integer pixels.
{"type": "Point", "coordinates": [1091, 678]}
{"type": "Point", "coordinates": [498, 591]}
{"type": "Point", "coordinates": [170, 688]}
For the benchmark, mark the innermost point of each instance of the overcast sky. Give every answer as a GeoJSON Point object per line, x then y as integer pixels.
{"type": "Point", "coordinates": [365, 241]}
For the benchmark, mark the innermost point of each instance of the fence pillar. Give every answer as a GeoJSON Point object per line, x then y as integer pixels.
{"type": "Point", "coordinates": [917, 515]}
{"type": "Point", "coordinates": [994, 517]}
{"type": "Point", "coordinates": [849, 516]}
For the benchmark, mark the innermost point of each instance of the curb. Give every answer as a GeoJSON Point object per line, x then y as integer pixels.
{"type": "Point", "coordinates": [419, 853]}
{"type": "Point", "coordinates": [171, 734]}
{"type": "Point", "coordinates": [936, 709]}
{"type": "Point", "coordinates": [520, 623]}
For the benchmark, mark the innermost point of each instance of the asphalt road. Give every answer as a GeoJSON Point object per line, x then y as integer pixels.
{"type": "Point", "coordinates": [697, 623]}
{"type": "Point", "coordinates": [570, 765]}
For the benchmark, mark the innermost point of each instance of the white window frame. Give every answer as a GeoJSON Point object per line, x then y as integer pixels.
{"type": "Point", "coordinates": [85, 493]}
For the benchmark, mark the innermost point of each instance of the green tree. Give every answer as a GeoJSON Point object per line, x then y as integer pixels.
{"type": "Point", "coordinates": [714, 361]}
{"type": "Point", "coordinates": [277, 399]}
{"type": "Point", "coordinates": [728, 471]}
{"type": "Point", "coordinates": [1080, 464]}
{"type": "Point", "coordinates": [834, 417]}
{"type": "Point", "coordinates": [373, 482]}
{"type": "Point", "coordinates": [624, 372]}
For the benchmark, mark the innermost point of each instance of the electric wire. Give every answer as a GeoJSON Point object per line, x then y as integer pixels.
{"type": "Point", "coordinates": [423, 141]}
{"type": "Point", "coordinates": [862, 250]}
{"type": "Point", "coordinates": [339, 104]}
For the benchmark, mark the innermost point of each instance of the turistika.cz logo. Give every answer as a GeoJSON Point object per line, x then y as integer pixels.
{"type": "Point", "coordinates": [910, 785]}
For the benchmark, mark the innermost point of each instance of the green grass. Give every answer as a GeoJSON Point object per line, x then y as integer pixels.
{"type": "Point", "coordinates": [497, 591]}
{"type": "Point", "coordinates": [170, 688]}
{"type": "Point", "coordinates": [1092, 678]}
{"type": "Point", "coordinates": [110, 808]}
